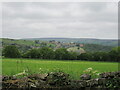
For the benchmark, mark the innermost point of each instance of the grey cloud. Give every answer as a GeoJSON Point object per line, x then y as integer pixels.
{"type": "Point", "coordinates": [42, 19]}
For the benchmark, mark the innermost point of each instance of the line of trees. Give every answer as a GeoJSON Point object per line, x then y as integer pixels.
{"type": "Point", "coordinates": [12, 51]}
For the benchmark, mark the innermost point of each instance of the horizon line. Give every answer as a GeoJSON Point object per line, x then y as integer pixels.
{"type": "Point", "coordinates": [61, 38]}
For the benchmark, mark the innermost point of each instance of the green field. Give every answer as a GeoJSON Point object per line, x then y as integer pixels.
{"type": "Point", "coordinates": [74, 68]}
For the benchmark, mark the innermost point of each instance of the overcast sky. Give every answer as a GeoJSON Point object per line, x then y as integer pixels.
{"type": "Point", "coordinates": [65, 19]}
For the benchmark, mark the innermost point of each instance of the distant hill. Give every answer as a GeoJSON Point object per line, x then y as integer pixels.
{"type": "Point", "coordinates": [25, 44]}
{"type": "Point", "coordinates": [106, 42]}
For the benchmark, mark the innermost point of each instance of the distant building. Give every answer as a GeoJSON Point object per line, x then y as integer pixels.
{"type": "Point", "coordinates": [81, 45]}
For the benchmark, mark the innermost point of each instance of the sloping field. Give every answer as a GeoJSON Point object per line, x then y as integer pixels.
{"type": "Point", "coordinates": [74, 68]}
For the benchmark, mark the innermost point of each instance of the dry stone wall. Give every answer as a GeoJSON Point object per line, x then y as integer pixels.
{"type": "Point", "coordinates": [61, 80]}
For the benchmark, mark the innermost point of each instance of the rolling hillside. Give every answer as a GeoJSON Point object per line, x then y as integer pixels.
{"type": "Point", "coordinates": [31, 43]}
{"type": "Point", "coordinates": [106, 42]}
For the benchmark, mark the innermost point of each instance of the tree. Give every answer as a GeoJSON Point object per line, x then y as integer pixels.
{"type": "Point", "coordinates": [36, 41]}
{"type": "Point", "coordinates": [115, 54]}
{"type": "Point", "coordinates": [72, 55]}
{"type": "Point", "coordinates": [33, 53]}
{"type": "Point", "coordinates": [100, 56]}
{"type": "Point", "coordinates": [61, 54]}
{"type": "Point", "coordinates": [11, 51]}
{"type": "Point", "coordinates": [43, 44]}
{"type": "Point", "coordinates": [105, 56]}
{"type": "Point", "coordinates": [85, 56]}
{"type": "Point", "coordinates": [46, 53]}
{"type": "Point", "coordinates": [97, 56]}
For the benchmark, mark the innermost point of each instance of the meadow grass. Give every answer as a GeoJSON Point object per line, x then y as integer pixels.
{"type": "Point", "coordinates": [74, 68]}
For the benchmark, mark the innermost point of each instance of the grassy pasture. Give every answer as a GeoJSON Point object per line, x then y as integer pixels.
{"type": "Point", "coordinates": [74, 68]}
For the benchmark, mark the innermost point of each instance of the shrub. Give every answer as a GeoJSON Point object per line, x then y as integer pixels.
{"type": "Point", "coordinates": [11, 51]}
